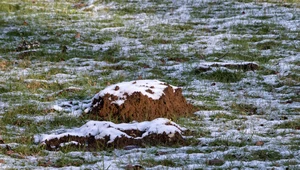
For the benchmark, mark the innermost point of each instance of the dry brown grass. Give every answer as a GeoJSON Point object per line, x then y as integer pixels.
{"type": "Point", "coordinates": [4, 65]}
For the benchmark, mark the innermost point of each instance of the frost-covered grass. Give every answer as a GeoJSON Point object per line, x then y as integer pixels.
{"type": "Point", "coordinates": [247, 118]}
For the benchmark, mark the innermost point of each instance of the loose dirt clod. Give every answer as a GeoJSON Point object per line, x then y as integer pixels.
{"type": "Point", "coordinates": [259, 143]}
{"type": "Point", "coordinates": [215, 162]}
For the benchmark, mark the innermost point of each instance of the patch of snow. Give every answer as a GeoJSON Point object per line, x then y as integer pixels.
{"type": "Point", "coordinates": [271, 79]}
{"type": "Point", "coordinates": [24, 72]}
{"type": "Point", "coordinates": [37, 118]}
{"type": "Point", "coordinates": [211, 112]}
{"type": "Point", "coordinates": [68, 143]}
{"type": "Point", "coordinates": [151, 88]}
{"type": "Point", "coordinates": [57, 108]}
{"type": "Point", "coordinates": [2, 106]}
{"type": "Point", "coordinates": [64, 76]}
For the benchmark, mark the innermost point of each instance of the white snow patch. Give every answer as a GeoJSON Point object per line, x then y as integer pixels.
{"type": "Point", "coordinates": [212, 112]}
{"type": "Point", "coordinates": [271, 79]}
{"type": "Point", "coordinates": [143, 86]}
{"type": "Point", "coordinates": [57, 108]}
{"type": "Point", "coordinates": [3, 105]}
{"type": "Point", "coordinates": [68, 143]}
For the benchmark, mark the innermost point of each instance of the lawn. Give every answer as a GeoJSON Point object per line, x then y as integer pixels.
{"type": "Point", "coordinates": [56, 55]}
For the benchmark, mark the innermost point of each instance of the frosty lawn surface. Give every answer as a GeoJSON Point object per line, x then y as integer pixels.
{"type": "Point", "coordinates": [56, 55]}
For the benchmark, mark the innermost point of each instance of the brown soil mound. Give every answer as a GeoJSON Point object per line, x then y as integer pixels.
{"type": "Point", "coordinates": [103, 135]}
{"type": "Point", "coordinates": [140, 107]}
{"type": "Point", "coordinates": [90, 143]}
{"type": "Point", "coordinates": [245, 66]}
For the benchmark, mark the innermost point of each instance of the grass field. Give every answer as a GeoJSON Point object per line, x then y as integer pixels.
{"type": "Point", "coordinates": [55, 55]}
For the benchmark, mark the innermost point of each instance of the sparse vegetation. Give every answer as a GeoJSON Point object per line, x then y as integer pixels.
{"type": "Point", "coordinates": [265, 155]}
{"type": "Point", "coordinates": [152, 162]}
{"type": "Point", "coordinates": [292, 124]}
{"type": "Point", "coordinates": [224, 76]}
{"type": "Point", "coordinates": [223, 116]}
{"type": "Point", "coordinates": [85, 47]}
{"type": "Point", "coordinates": [244, 109]}
{"type": "Point", "coordinates": [227, 143]}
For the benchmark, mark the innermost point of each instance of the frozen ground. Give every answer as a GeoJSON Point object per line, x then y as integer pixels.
{"type": "Point", "coordinates": [248, 119]}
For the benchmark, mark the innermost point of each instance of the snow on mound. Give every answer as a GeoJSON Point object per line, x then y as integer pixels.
{"type": "Point", "coordinates": [245, 66]}
{"type": "Point", "coordinates": [152, 88]}
{"type": "Point", "coordinates": [108, 133]}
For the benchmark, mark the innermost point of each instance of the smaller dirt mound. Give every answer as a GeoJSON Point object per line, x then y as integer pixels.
{"type": "Point", "coordinates": [139, 100]}
{"type": "Point", "coordinates": [104, 135]}
{"type": "Point", "coordinates": [244, 66]}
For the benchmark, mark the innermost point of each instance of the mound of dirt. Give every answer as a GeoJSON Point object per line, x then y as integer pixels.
{"type": "Point", "coordinates": [139, 100]}
{"type": "Point", "coordinates": [244, 66]}
{"type": "Point", "coordinates": [104, 135]}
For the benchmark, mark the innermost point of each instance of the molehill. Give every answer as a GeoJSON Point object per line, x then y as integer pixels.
{"type": "Point", "coordinates": [139, 100]}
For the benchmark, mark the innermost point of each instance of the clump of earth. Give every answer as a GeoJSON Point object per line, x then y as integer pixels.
{"type": "Point", "coordinates": [139, 100]}
{"type": "Point", "coordinates": [104, 134]}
